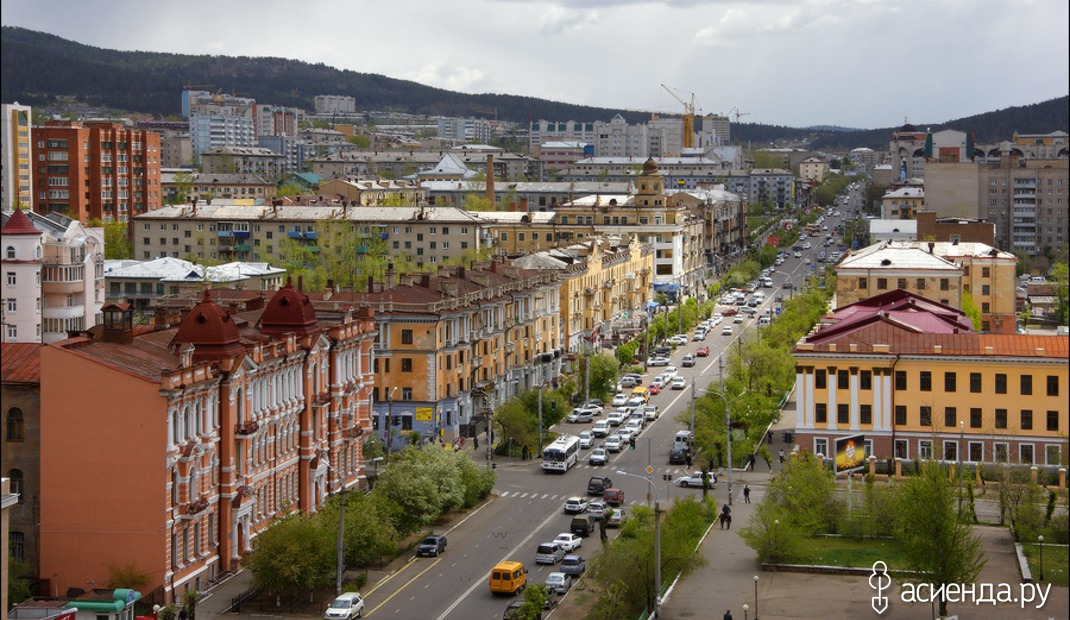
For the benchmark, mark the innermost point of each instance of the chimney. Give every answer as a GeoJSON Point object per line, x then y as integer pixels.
{"type": "Point", "coordinates": [159, 317]}
{"type": "Point", "coordinates": [931, 246]}
{"type": "Point", "coordinates": [391, 277]}
{"type": "Point", "coordinates": [425, 280]}
{"type": "Point", "coordinates": [490, 181]}
{"type": "Point", "coordinates": [330, 284]}
{"type": "Point", "coordinates": [371, 284]}
{"type": "Point", "coordinates": [232, 307]}
{"type": "Point", "coordinates": [300, 283]}
{"type": "Point", "coordinates": [524, 204]}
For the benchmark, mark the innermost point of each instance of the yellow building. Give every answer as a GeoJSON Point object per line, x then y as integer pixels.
{"type": "Point", "coordinates": [374, 192]}
{"type": "Point", "coordinates": [913, 379]}
{"type": "Point", "coordinates": [903, 203]}
{"type": "Point", "coordinates": [891, 265]}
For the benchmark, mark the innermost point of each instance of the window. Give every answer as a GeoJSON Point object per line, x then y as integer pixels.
{"type": "Point", "coordinates": [1025, 453]}
{"type": "Point", "coordinates": [821, 415]}
{"type": "Point", "coordinates": [951, 450]}
{"type": "Point", "coordinates": [820, 379]}
{"type": "Point", "coordinates": [976, 452]}
{"type": "Point", "coordinates": [821, 445]}
{"type": "Point", "coordinates": [902, 449]}
{"type": "Point", "coordinates": [17, 545]}
{"type": "Point", "coordinates": [12, 304]}
{"type": "Point", "coordinates": [951, 418]}
{"type": "Point", "coordinates": [1053, 385]}
{"type": "Point", "coordinates": [843, 380]}
{"type": "Point", "coordinates": [926, 416]}
{"type": "Point", "coordinates": [975, 382]}
{"type": "Point", "coordinates": [406, 364]}
{"type": "Point", "coordinates": [1053, 420]}
{"type": "Point", "coordinates": [1026, 387]}
{"type": "Point", "coordinates": [865, 380]}
{"type": "Point", "coordinates": [1026, 420]}
{"type": "Point", "coordinates": [1053, 454]}
{"type": "Point", "coordinates": [14, 424]}
{"type": "Point", "coordinates": [975, 417]}
{"type": "Point", "coordinates": [925, 449]}
{"type": "Point", "coordinates": [921, 284]}
{"type": "Point", "coordinates": [901, 283]}
{"type": "Point", "coordinates": [950, 381]}
{"type": "Point", "coordinates": [16, 483]}
{"type": "Point", "coordinates": [900, 379]}
{"type": "Point", "coordinates": [900, 415]}
{"type": "Point", "coordinates": [406, 336]}
{"type": "Point", "coordinates": [865, 413]}
{"type": "Point", "coordinates": [945, 284]}
{"type": "Point", "coordinates": [406, 394]}
{"type": "Point", "coordinates": [863, 283]}
{"type": "Point", "coordinates": [843, 413]}
{"type": "Point", "coordinates": [926, 381]}
{"type": "Point", "coordinates": [1001, 418]}
{"type": "Point", "coordinates": [1001, 383]}
{"type": "Point", "coordinates": [1001, 452]}
{"type": "Point", "coordinates": [986, 272]}
{"type": "Point", "coordinates": [11, 279]}
{"type": "Point", "coordinates": [882, 283]}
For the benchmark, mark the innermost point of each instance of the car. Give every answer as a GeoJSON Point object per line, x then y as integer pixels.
{"type": "Point", "coordinates": [807, 261]}
{"type": "Point", "coordinates": [677, 340]}
{"type": "Point", "coordinates": [634, 427]}
{"type": "Point", "coordinates": [655, 387]}
{"type": "Point", "coordinates": [597, 509]}
{"type": "Point", "coordinates": [703, 351]}
{"type": "Point", "coordinates": [615, 518]}
{"type": "Point", "coordinates": [587, 439]}
{"type": "Point", "coordinates": [650, 412]}
{"type": "Point", "coordinates": [550, 552]}
{"type": "Point", "coordinates": [575, 505]}
{"type": "Point", "coordinates": [669, 372]}
{"type": "Point", "coordinates": [597, 485]}
{"type": "Point", "coordinates": [432, 545]}
{"type": "Point", "coordinates": [749, 311]}
{"type": "Point", "coordinates": [678, 455]}
{"type": "Point", "coordinates": [593, 403]}
{"type": "Point", "coordinates": [558, 582]}
{"type": "Point", "coordinates": [716, 318]}
{"type": "Point", "coordinates": [627, 382]}
{"type": "Point", "coordinates": [662, 350]}
{"type": "Point", "coordinates": [573, 565]}
{"type": "Point", "coordinates": [798, 255]}
{"type": "Point", "coordinates": [752, 303]}
{"type": "Point", "coordinates": [739, 319]}
{"type": "Point", "coordinates": [620, 399]}
{"type": "Point", "coordinates": [626, 433]}
{"type": "Point", "coordinates": [694, 480]}
{"type": "Point", "coordinates": [726, 330]}
{"type": "Point", "coordinates": [730, 312]}
{"type": "Point", "coordinates": [683, 337]}
{"type": "Point", "coordinates": [613, 496]}
{"type": "Point", "coordinates": [806, 245]}
{"type": "Point", "coordinates": [600, 428]}
{"type": "Point", "coordinates": [688, 361]}
{"type": "Point", "coordinates": [700, 334]}
{"type": "Point", "coordinates": [616, 418]}
{"type": "Point", "coordinates": [678, 383]}
{"type": "Point", "coordinates": [613, 443]}
{"type": "Point", "coordinates": [346, 607]}
{"type": "Point", "coordinates": [636, 401]}
{"type": "Point", "coordinates": [580, 416]}
{"type": "Point", "coordinates": [569, 541]}
{"type": "Point", "coordinates": [658, 361]}
{"type": "Point", "coordinates": [598, 457]}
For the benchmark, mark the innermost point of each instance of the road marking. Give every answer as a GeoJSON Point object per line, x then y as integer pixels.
{"type": "Point", "coordinates": [391, 576]}
{"type": "Point", "coordinates": [404, 585]}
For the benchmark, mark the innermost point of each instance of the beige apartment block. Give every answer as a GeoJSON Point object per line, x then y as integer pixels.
{"type": "Point", "coordinates": [887, 266]}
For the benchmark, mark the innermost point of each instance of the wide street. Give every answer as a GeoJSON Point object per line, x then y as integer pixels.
{"type": "Point", "coordinates": [527, 505]}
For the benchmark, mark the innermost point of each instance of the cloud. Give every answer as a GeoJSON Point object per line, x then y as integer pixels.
{"type": "Point", "coordinates": [561, 21]}
{"type": "Point", "coordinates": [459, 78]}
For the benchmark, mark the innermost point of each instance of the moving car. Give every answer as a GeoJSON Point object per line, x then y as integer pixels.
{"type": "Point", "coordinates": [549, 553]}
{"type": "Point", "coordinates": [620, 399]}
{"type": "Point", "coordinates": [573, 565]}
{"type": "Point", "coordinates": [558, 582]}
{"type": "Point", "coordinates": [508, 577]}
{"type": "Point", "coordinates": [679, 383]}
{"type": "Point", "coordinates": [650, 412]}
{"type": "Point", "coordinates": [655, 387]}
{"type": "Point", "coordinates": [613, 496]}
{"type": "Point", "coordinates": [586, 439]}
{"type": "Point", "coordinates": [694, 480]}
{"type": "Point", "coordinates": [582, 525]}
{"type": "Point", "coordinates": [432, 545]}
{"type": "Point", "coordinates": [600, 428]}
{"type": "Point", "coordinates": [346, 607]}
{"type": "Point", "coordinates": [597, 485]}
{"type": "Point", "coordinates": [598, 457]}
{"type": "Point", "coordinates": [678, 455]}
{"type": "Point", "coordinates": [730, 312]}
{"type": "Point", "coordinates": [580, 416]}
{"type": "Point", "coordinates": [702, 351]}
{"type": "Point", "coordinates": [575, 505]}
{"type": "Point", "coordinates": [726, 330]}
{"type": "Point", "coordinates": [616, 418]}
{"type": "Point", "coordinates": [569, 541]}
{"type": "Point", "coordinates": [688, 361]}
{"type": "Point", "coordinates": [597, 509]}
{"type": "Point", "coordinates": [613, 443]}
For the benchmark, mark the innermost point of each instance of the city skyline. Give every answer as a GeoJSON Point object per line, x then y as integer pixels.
{"type": "Point", "coordinates": [837, 62]}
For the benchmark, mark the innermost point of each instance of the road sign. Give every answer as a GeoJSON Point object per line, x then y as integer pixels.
{"type": "Point", "coordinates": [649, 469]}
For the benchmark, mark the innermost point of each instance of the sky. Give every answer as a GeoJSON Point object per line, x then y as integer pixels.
{"type": "Point", "coordinates": [854, 63]}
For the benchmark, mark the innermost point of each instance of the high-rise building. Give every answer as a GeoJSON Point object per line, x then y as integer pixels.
{"type": "Point", "coordinates": [219, 120]}
{"type": "Point", "coordinates": [335, 104]}
{"type": "Point", "coordinates": [15, 136]}
{"type": "Point", "coordinates": [96, 169]}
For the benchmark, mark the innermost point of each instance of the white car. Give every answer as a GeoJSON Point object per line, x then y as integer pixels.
{"type": "Point", "coordinates": [580, 416]}
{"type": "Point", "coordinates": [650, 412]}
{"type": "Point", "coordinates": [679, 339]}
{"type": "Point", "coordinates": [597, 509]}
{"type": "Point", "coordinates": [670, 372]}
{"type": "Point", "coordinates": [575, 505]}
{"type": "Point", "coordinates": [634, 427]}
{"type": "Point", "coordinates": [678, 383]}
{"type": "Point", "coordinates": [620, 399]}
{"type": "Point", "coordinates": [598, 457]}
{"type": "Point", "coordinates": [570, 542]}
{"type": "Point", "coordinates": [739, 319]}
{"type": "Point", "coordinates": [726, 330]}
{"type": "Point", "coordinates": [626, 433]}
{"type": "Point", "coordinates": [348, 605]}
{"type": "Point", "coordinates": [613, 443]}
{"type": "Point", "coordinates": [717, 318]}
{"type": "Point", "coordinates": [616, 418]}
{"type": "Point", "coordinates": [600, 428]}
{"type": "Point", "coordinates": [694, 480]}
{"type": "Point", "coordinates": [797, 255]}
{"type": "Point", "coordinates": [558, 582]}
{"type": "Point", "coordinates": [587, 439]}
{"type": "Point", "coordinates": [658, 361]}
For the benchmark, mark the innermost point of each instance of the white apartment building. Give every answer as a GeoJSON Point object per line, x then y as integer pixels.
{"type": "Point", "coordinates": [53, 276]}
{"type": "Point", "coordinates": [335, 104]}
{"type": "Point", "coordinates": [15, 133]}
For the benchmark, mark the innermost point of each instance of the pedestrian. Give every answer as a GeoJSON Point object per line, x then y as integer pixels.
{"type": "Point", "coordinates": [689, 460]}
{"type": "Point", "coordinates": [746, 494]}
{"type": "Point", "coordinates": [475, 443]}
{"type": "Point", "coordinates": [782, 456]}
{"type": "Point", "coordinates": [182, 615]}
{"type": "Point", "coordinates": [721, 518]}
{"type": "Point", "coordinates": [727, 615]}
{"type": "Point", "coordinates": [750, 462]}
{"type": "Point", "coordinates": [728, 521]}
{"type": "Point", "coordinates": [524, 453]}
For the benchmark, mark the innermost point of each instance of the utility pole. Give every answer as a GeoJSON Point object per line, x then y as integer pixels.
{"type": "Point", "coordinates": [691, 446]}
{"type": "Point", "coordinates": [340, 550]}
{"type": "Point", "coordinates": [657, 558]}
{"type": "Point", "coordinates": [540, 420]}
{"type": "Point", "coordinates": [587, 380]}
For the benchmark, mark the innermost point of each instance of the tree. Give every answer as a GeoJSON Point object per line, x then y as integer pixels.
{"type": "Point", "coordinates": [293, 555]}
{"type": "Point", "coordinates": [126, 576]}
{"type": "Point", "coordinates": [117, 244]}
{"type": "Point", "coordinates": [971, 310]}
{"type": "Point", "coordinates": [341, 251]}
{"type": "Point", "coordinates": [938, 547]}
{"type": "Point", "coordinates": [18, 577]}
{"type": "Point", "coordinates": [183, 184]}
{"type": "Point", "coordinates": [1059, 277]}
{"type": "Point", "coordinates": [604, 369]}
{"type": "Point", "coordinates": [535, 597]}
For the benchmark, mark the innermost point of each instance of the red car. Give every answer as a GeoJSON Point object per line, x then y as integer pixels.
{"type": "Point", "coordinates": [654, 388]}
{"type": "Point", "coordinates": [614, 497]}
{"type": "Point", "coordinates": [730, 311]}
{"type": "Point", "coordinates": [703, 351]}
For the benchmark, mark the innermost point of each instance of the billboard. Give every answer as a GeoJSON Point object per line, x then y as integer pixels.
{"type": "Point", "coordinates": [850, 453]}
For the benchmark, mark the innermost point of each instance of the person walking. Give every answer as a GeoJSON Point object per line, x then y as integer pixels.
{"type": "Point", "coordinates": [475, 443]}
{"type": "Point", "coordinates": [750, 462]}
{"type": "Point", "coordinates": [727, 615]}
{"type": "Point", "coordinates": [782, 456]}
{"type": "Point", "coordinates": [720, 518]}
{"type": "Point", "coordinates": [728, 521]}
{"type": "Point", "coordinates": [746, 494]}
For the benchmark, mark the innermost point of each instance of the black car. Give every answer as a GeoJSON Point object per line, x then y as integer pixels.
{"type": "Point", "coordinates": [432, 545]}
{"type": "Point", "coordinates": [597, 485]}
{"type": "Point", "coordinates": [662, 350]}
{"type": "Point", "coordinates": [678, 456]}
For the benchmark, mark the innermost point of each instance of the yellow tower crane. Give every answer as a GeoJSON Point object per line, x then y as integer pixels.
{"type": "Point", "coordinates": [689, 116]}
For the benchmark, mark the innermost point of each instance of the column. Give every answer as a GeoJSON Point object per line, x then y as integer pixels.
{"type": "Point", "coordinates": [887, 394]}
{"type": "Point", "coordinates": [854, 398]}
{"type": "Point", "coordinates": [802, 420]}
{"type": "Point", "coordinates": [810, 397]}
{"type": "Point", "coordinates": [878, 404]}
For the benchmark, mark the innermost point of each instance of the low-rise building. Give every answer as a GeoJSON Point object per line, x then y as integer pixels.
{"type": "Point", "coordinates": [188, 441]}
{"type": "Point", "coordinates": [929, 227]}
{"type": "Point", "coordinates": [813, 169]}
{"type": "Point", "coordinates": [887, 266]}
{"type": "Point", "coordinates": [249, 160]}
{"type": "Point", "coordinates": [912, 378]}
{"type": "Point", "coordinates": [240, 186]}
{"type": "Point", "coordinates": [143, 283]}
{"type": "Point", "coordinates": [375, 192]}
{"type": "Point", "coordinates": [903, 203]}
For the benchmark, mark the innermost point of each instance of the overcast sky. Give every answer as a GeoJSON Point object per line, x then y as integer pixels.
{"type": "Point", "coordinates": [856, 63]}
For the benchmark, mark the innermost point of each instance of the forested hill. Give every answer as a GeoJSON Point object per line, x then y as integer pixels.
{"type": "Point", "coordinates": [37, 69]}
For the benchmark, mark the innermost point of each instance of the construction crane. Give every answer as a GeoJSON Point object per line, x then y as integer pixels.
{"type": "Point", "coordinates": [689, 116]}
{"type": "Point", "coordinates": [738, 113]}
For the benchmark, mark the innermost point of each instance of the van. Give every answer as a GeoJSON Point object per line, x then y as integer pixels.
{"type": "Point", "coordinates": [509, 577]}
{"type": "Point", "coordinates": [764, 321]}
{"type": "Point", "coordinates": [682, 439]}
{"type": "Point", "coordinates": [582, 525]}
{"type": "Point", "coordinates": [641, 392]}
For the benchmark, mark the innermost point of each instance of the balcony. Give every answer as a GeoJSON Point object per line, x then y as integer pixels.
{"type": "Point", "coordinates": [200, 505]}
{"type": "Point", "coordinates": [321, 399]}
{"type": "Point", "coordinates": [246, 428]}
{"type": "Point", "coordinates": [63, 312]}
{"type": "Point", "coordinates": [477, 361]}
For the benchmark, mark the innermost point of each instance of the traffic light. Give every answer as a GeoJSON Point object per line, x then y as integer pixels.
{"type": "Point", "coordinates": [631, 443]}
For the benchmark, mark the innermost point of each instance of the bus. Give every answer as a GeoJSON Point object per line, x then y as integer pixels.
{"type": "Point", "coordinates": [813, 230]}
{"type": "Point", "coordinates": [561, 455]}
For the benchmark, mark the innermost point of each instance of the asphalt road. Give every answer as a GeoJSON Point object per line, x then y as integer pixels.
{"type": "Point", "coordinates": [527, 505]}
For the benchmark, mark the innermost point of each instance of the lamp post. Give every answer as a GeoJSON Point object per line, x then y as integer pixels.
{"type": "Point", "coordinates": [776, 526]}
{"type": "Point", "coordinates": [389, 421]}
{"type": "Point", "coordinates": [657, 540]}
{"type": "Point", "coordinates": [728, 435]}
{"type": "Point", "coordinates": [756, 597]}
{"type": "Point", "coordinates": [746, 609]}
{"type": "Point", "coordinates": [1041, 539]}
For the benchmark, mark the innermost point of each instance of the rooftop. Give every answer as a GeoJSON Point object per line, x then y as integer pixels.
{"type": "Point", "coordinates": [897, 255]}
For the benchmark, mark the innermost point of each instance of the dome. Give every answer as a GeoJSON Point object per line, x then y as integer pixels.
{"type": "Point", "coordinates": [210, 329]}
{"type": "Point", "coordinates": [650, 166]}
{"type": "Point", "coordinates": [288, 311]}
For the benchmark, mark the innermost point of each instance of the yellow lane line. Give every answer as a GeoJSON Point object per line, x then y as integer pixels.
{"type": "Point", "coordinates": [405, 585]}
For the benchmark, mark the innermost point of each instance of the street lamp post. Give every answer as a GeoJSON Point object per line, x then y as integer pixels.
{"type": "Point", "coordinates": [746, 609]}
{"type": "Point", "coordinates": [657, 540]}
{"type": "Point", "coordinates": [728, 435]}
{"type": "Point", "coordinates": [756, 597]}
{"type": "Point", "coordinates": [1041, 539]}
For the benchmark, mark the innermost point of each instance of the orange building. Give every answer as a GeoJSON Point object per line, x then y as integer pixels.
{"type": "Point", "coordinates": [176, 446]}
{"type": "Point", "coordinates": [95, 170]}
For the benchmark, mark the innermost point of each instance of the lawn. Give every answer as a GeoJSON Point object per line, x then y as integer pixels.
{"type": "Point", "coordinates": [1055, 563]}
{"type": "Point", "coordinates": [852, 552]}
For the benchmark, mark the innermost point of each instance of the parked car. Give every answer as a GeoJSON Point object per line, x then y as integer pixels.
{"type": "Point", "coordinates": [679, 383]}
{"type": "Point", "coordinates": [597, 510]}
{"type": "Point", "coordinates": [586, 439]}
{"type": "Point", "coordinates": [620, 399]}
{"type": "Point", "coordinates": [569, 541]}
{"type": "Point", "coordinates": [630, 380]}
{"type": "Point", "coordinates": [702, 351]}
{"type": "Point", "coordinates": [432, 545]}
{"type": "Point", "coordinates": [549, 553]}
{"type": "Point", "coordinates": [573, 565]}
{"type": "Point", "coordinates": [598, 457]}
{"type": "Point", "coordinates": [575, 505]}
{"type": "Point", "coordinates": [582, 525]}
{"type": "Point", "coordinates": [694, 480]}
{"type": "Point", "coordinates": [662, 351]}
{"type": "Point", "coordinates": [580, 416]}
{"type": "Point", "coordinates": [731, 312]}
{"type": "Point", "coordinates": [726, 330]}
{"type": "Point", "coordinates": [615, 518]}
{"type": "Point", "coordinates": [346, 607]}
{"type": "Point", "coordinates": [558, 582]}
{"type": "Point", "coordinates": [658, 361]}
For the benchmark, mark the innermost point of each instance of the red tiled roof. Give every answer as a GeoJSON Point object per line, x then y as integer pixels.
{"type": "Point", "coordinates": [19, 224]}
{"type": "Point", "coordinates": [20, 362]}
{"type": "Point", "coordinates": [903, 342]}
{"type": "Point", "coordinates": [289, 310]}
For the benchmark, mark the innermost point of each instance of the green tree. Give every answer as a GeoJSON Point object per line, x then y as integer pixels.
{"type": "Point", "coordinates": [604, 370]}
{"type": "Point", "coordinates": [937, 546]}
{"type": "Point", "coordinates": [127, 576]}
{"type": "Point", "coordinates": [361, 141]}
{"type": "Point", "coordinates": [1059, 277]}
{"type": "Point", "coordinates": [343, 251]}
{"type": "Point", "coordinates": [117, 244]}
{"type": "Point", "coordinates": [288, 189]}
{"type": "Point", "coordinates": [183, 184]}
{"type": "Point", "coordinates": [535, 597]}
{"type": "Point", "coordinates": [18, 577]}
{"type": "Point", "coordinates": [971, 310]}
{"type": "Point", "coordinates": [294, 555]}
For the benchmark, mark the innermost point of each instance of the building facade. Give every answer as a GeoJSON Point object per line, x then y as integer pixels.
{"type": "Point", "coordinates": [20, 460]}
{"type": "Point", "coordinates": [903, 203]}
{"type": "Point", "coordinates": [890, 266]}
{"type": "Point", "coordinates": [16, 160]}
{"type": "Point", "coordinates": [234, 420]}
